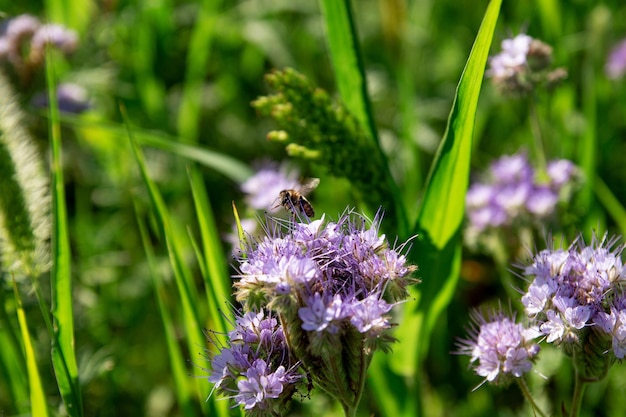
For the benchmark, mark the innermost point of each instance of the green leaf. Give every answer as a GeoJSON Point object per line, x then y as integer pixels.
{"type": "Point", "coordinates": [216, 280]}
{"type": "Point", "coordinates": [63, 354]}
{"type": "Point", "coordinates": [37, 395]}
{"type": "Point", "coordinates": [230, 167]}
{"type": "Point", "coordinates": [346, 58]}
{"type": "Point", "coordinates": [12, 367]}
{"type": "Point", "coordinates": [350, 76]}
{"type": "Point", "coordinates": [438, 244]}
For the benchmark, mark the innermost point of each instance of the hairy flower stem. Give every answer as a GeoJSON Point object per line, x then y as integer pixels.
{"type": "Point", "coordinates": [501, 258]}
{"type": "Point", "coordinates": [580, 384]}
{"type": "Point", "coordinates": [535, 125]}
{"type": "Point", "coordinates": [521, 382]}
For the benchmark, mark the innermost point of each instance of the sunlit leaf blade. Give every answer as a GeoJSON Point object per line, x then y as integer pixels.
{"type": "Point", "coordinates": [63, 354]}
{"type": "Point", "coordinates": [37, 395]}
{"type": "Point", "coordinates": [346, 59]}
{"type": "Point", "coordinates": [343, 45]}
{"type": "Point", "coordinates": [217, 281]}
{"type": "Point", "coordinates": [611, 203]}
{"type": "Point", "coordinates": [12, 369]}
{"type": "Point", "coordinates": [228, 166]}
{"type": "Point", "coordinates": [438, 245]}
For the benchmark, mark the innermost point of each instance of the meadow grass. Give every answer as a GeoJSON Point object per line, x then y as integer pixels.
{"type": "Point", "coordinates": [145, 190]}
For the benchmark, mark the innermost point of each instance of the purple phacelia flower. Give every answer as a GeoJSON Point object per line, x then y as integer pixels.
{"type": "Point", "coordinates": [333, 285]}
{"type": "Point", "coordinates": [500, 349]}
{"type": "Point", "coordinates": [577, 291]}
{"type": "Point", "coordinates": [255, 367]}
{"type": "Point", "coordinates": [259, 386]}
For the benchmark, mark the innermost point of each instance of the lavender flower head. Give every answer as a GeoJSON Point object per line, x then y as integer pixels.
{"type": "Point", "coordinates": [255, 368]}
{"type": "Point", "coordinates": [333, 285]}
{"type": "Point", "coordinates": [23, 39]}
{"type": "Point", "coordinates": [616, 63]}
{"type": "Point", "coordinates": [71, 98]}
{"type": "Point", "coordinates": [522, 65]}
{"type": "Point", "coordinates": [263, 188]}
{"type": "Point", "coordinates": [576, 300]}
{"type": "Point", "coordinates": [514, 196]}
{"type": "Point", "coordinates": [500, 349]}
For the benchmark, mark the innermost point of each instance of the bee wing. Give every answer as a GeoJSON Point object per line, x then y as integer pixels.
{"type": "Point", "coordinates": [309, 184]}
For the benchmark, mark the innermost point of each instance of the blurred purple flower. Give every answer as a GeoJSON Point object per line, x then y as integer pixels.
{"type": "Point", "coordinates": [58, 36]}
{"type": "Point", "coordinates": [512, 59]}
{"type": "Point", "coordinates": [71, 98]}
{"type": "Point", "coordinates": [513, 195]}
{"type": "Point", "coordinates": [263, 188]}
{"type": "Point", "coordinates": [616, 63]}
{"type": "Point", "coordinates": [561, 172]}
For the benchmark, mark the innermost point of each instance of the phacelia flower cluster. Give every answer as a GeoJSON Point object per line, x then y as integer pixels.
{"type": "Point", "coordinates": [576, 297]}
{"type": "Point", "coordinates": [256, 369]}
{"type": "Point", "coordinates": [522, 65]}
{"type": "Point", "coordinates": [500, 349]}
{"type": "Point", "coordinates": [333, 285]}
{"type": "Point", "coordinates": [513, 194]}
{"type": "Point", "coordinates": [23, 40]}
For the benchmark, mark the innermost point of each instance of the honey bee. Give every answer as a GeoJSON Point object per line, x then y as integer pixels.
{"type": "Point", "coordinates": [295, 200]}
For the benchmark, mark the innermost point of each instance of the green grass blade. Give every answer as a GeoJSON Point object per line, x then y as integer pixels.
{"type": "Point", "coordinates": [230, 167]}
{"type": "Point", "coordinates": [12, 367]}
{"type": "Point", "coordinates": [345, 54]}
{"type": "Point", "coordinates": [188, 296]}
{"type": "Point", "coordinates": [197, 65]}
{"type": "Point", "coordinates": [152, 24]}
{"type": "Point", "coordinates": [182, 385]}
{"type": "Point", "coordinates": [438, 245]}
{"type": "Point", "coordinates": [343, 45]}
{"type": "Point", "coordinates": [37, 395]}
{"type": "Point", "coordinates": [63, 354]}
{"type": "Point", "coordinates": [611, 203]}
{"type": "Point", "coordinates": [217, 282]}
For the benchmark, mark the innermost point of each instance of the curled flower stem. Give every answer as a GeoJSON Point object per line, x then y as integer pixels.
{"type": "Point", "coordinates": [538, 141]}
{"type": "Point", "coordinates": [524, 388]}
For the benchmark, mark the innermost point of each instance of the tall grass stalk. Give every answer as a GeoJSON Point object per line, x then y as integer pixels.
{"type": "Point", "coordinates": [62, 306]}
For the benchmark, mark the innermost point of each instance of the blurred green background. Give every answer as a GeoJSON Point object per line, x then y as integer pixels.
{"type": "Point", "coordinates": [188, 70]}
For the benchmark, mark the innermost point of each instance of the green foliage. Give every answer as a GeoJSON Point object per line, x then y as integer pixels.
{"type": "Point", "coordinates": [140, 260]}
